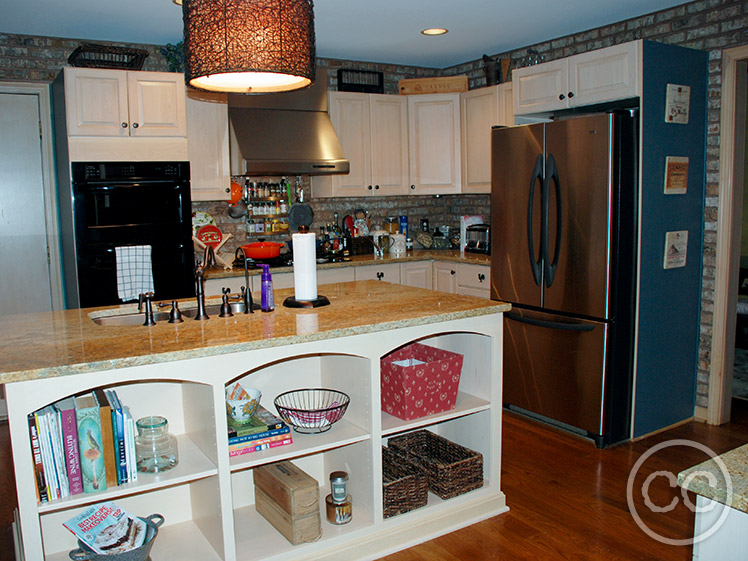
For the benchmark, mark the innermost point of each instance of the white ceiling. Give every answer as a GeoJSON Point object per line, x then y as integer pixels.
{"type": "Point", "coordinates": [385, 31]}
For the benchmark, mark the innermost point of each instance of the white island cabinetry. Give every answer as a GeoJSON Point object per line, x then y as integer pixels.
{"type": "Point", "coordinates": [208, 499]}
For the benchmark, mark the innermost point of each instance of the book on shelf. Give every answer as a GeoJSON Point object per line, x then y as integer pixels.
{"type": "Point", "coordinates": [248, 443]}
{"type": "Point", "coordinates": [262, 421]}
{"type": "Point", "coordinates": [46, 432]}
{"type": "Point", "coordinates": [255, 447]}
{"type": "Point", "coordinates": [36, 451]}
{"type": "Point", "coordinates": [118, 428]}
{"type": "Point", "coordinates": [259, 435]}
{"type": "Point", "coordinates": [132, 464]}
{"type": "Point", "coordinates": [111, 463]}
{"type": "Point", "coordinates": [90, 445]}
{"type": "Point", "coordinates": [66, 411]}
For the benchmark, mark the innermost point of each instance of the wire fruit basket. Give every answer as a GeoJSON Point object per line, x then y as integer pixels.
{"type": "Point", "coordinates": [311, 410]}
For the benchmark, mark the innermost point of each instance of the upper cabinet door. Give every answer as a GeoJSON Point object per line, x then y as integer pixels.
{"type": "Point", "coordinates": [96, 102]}
{"type": "Point", "coordinates": [349, 113]}
{"type": "Point", "coordinates": [540, 88]}
{"type": "Point", "coordinates": [434, 138]}
{"type": "Point", "coordinates": [157, 104]}
{"type": "Point", "coordinates": [389, 144]}
{"type": "Point", "coordinates": [604, 75]}
{"type": "Point", "coordinates": [480, 111]}
{"type": "Point", "coordinates": [208, 145]}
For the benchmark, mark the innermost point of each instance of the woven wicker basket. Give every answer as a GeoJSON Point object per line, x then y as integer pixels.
{"type": "Point", "coordinates": [92, 55]}
{"type": "Point", "coordinates": [405, 486]}
{"type": "Point", "coordinates": [451, 469]}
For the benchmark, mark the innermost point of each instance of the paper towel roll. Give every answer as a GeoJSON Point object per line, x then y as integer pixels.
{"type": "Point", "coordinates": [305, 266]}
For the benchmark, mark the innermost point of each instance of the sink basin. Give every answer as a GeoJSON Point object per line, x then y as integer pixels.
{"type": "Point", "coordinates": [163, 316]}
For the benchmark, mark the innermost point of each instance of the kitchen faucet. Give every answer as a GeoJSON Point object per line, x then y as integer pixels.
{"type": "Point", "coordinates": [200, 268]}
{"type": "Point", "coordinates": [148, 299]}
{"type": "Point", "coordinates": [246, 292]}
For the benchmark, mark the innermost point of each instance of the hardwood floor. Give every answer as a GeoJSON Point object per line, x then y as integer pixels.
{"type": "Point", "coordinates": [567, 499]}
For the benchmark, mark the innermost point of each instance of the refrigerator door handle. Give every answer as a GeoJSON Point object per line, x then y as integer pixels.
{"type": "Point", "coordinates": [551, 176]}
{"type": "Point", "coordinates": [567, 326]}
{"type": "Point", "coordinates": [537, 175]}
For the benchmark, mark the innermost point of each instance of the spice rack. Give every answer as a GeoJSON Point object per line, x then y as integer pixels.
{"type": "Point", "coordinates": [266, 205]}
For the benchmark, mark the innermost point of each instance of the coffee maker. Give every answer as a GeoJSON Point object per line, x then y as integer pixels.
{"type": "Point", "coordinates": [478, 239]}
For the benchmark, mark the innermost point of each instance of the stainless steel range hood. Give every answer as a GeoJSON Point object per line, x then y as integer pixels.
{"type": "Point", "coordinates": [287, 133]}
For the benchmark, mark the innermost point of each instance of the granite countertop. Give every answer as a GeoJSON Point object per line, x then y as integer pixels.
{"type": "Point", "coordinates": [68, 342]}
{"type": "Point", "coordinates": [450, 255]}
{"type": "Point", "coordinates": [736, 464]}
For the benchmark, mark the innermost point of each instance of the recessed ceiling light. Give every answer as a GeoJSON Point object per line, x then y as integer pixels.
{"type": "Point", "coordinates": [434, 31]}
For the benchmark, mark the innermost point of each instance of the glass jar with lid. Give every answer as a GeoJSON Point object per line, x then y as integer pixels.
{"type": "Point", "coordinates": [155, 447]}
{"type": "Point", "coordinates": [392, 224]}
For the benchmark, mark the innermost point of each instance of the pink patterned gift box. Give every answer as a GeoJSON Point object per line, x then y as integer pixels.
{"type": "Point", "coordinates": [418, 380]}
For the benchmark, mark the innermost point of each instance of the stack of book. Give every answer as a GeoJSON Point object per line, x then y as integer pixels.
{"type": "Point", "coordinates": [264, 430]}
{"type": "Point", "coordinates": [82, 444]}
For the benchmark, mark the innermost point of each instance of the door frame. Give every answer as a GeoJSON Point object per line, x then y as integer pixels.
{"type": "Point", "coordinates": [729, 218]}
{"type": "Point", "coordinates": [49, 180]}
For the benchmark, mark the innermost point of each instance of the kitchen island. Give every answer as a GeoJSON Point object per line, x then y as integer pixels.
{"type": "Point", "coordinates": [180, 371]}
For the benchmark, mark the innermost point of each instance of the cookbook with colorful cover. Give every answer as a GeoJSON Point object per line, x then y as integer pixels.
{"type": "Point", "coordinates": [89, 443]}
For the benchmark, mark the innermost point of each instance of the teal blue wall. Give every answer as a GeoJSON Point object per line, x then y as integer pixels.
{"type": "Point", "coordinates": [669, 300]}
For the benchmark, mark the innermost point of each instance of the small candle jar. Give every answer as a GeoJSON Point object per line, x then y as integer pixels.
{"type": "Point", "coordinates": [155, 447]}
{"type": "Point", "coordinates": [338, 503]}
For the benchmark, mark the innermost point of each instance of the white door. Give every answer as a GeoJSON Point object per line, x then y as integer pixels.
{"type": "Point", "coordinates": [25, 276]}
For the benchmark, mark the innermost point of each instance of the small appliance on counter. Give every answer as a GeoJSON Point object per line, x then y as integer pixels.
{"type": "Point", "coordinates": [478, 239]}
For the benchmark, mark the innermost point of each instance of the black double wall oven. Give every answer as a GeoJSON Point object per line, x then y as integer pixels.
{"type": "Point", "coordinates": [117, 204]}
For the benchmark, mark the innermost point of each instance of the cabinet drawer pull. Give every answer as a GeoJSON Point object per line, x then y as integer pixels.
{"type": "Point", "coordinates": [481, 277]}
{"type": "Point", "coordinates": [561, 97]}
{"type": "Point", "coordinates": [571, 94]}
{"type": "Point", "coordinates": [376, 187]}
{"type": "Point", "coordinates": [135, 125]}
{"type": "Point", "coordinates": [369, 187]}
{"type": "Point", "coordinates": [380, 275]}
{"type": "Point", "coordinates": [412, 186]}
{"type": "Point", "coordinates": [124, 125]}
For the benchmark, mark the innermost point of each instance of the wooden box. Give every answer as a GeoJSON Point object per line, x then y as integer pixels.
{"type": "Point", "coordinates": [444, 84]}
{"type": "Point", "coordinates": [288, 498]}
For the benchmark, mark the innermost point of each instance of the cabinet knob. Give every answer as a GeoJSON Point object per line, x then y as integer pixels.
{"type": "Point", "coordinates": [571, 94]}
{"type": "Point", "coordinates": [481, 277]}
{"type": "Point", "coordinates": [561, 96]}
{"type": "Point", "coordinates": [380, 275]}
{"type": "Point", "coordinates": [452, 272]}
{"type": "Point", "coordinates": [124, 125]}
{"type": "Point", "coordinates": [376, 187]}
{"type": "Point", "coordinates": [412, 186]}
{"type": "Point", "coordinates": [369, 187]}
{"type": "Point", "coordinates": [135, 125]}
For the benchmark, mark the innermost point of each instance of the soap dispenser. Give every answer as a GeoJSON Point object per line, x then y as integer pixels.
{"type": "Point", "coordinates": [268, 303]}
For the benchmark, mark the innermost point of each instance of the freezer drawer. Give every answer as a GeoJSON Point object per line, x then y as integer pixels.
{"type": "Point", "coordinates": [555, 367]}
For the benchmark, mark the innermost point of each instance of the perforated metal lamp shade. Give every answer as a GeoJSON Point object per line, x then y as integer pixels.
{"type": "Point", "coordinates": [249, 46]}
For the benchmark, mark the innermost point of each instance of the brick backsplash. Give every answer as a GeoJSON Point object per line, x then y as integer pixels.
{"type": "Point", "coordinates": [711, 25]}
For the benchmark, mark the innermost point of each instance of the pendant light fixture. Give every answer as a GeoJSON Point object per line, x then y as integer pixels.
{"type": "Point", "coordinates": [249, 46]}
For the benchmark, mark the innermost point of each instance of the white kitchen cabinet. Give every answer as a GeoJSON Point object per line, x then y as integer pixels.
{"type": "Point", "coordinates": [373, 132]}
{"type": "Point", "coordinates": [593, 77]}
{"type": "Point", "coordinates": [120, 103]}
{"type": "Point", "coordinates": [482, 109]}
{"type": "Point", "coordinates": [341, 274]}
{"type": "Point", "coordinates": [474, 280]}
{"type": "Point", "coordinates": [434, 143]}
{"type": "Point", "coordinates": [445, 277]}
{"type": "Point", "coordinates": [208, 145]}
{"type": "Point", "coordinates": [417, 273]}
{"type": "Point", "coordinates": [388, 272]}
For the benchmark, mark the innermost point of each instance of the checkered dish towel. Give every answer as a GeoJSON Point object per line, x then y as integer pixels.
{"type": "Point", "coordinates": [134, 271]}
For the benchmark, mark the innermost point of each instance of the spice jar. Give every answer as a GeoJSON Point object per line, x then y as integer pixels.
{"type": "Point", "coordinates": [338, 503]}
{"type": "Point", "coordinates": [155, 447]}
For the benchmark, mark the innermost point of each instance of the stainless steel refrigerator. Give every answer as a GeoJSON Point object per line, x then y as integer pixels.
{"type": "Point", "coordinates": [563, 253]}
